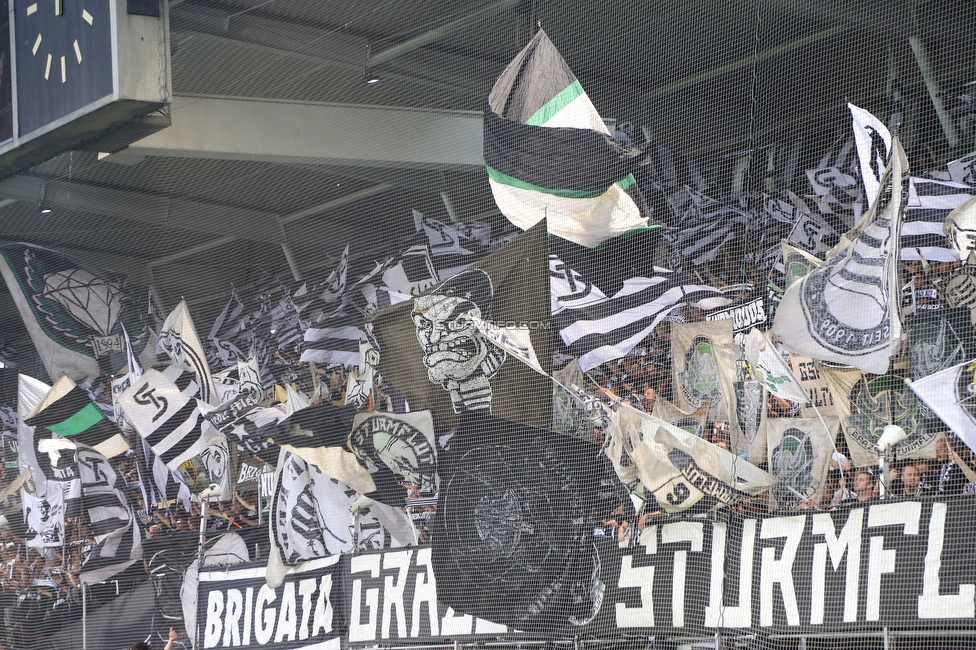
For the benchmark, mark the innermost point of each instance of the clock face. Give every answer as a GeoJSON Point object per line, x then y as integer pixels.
{"type": "Point", "coordinates": [64, 58]}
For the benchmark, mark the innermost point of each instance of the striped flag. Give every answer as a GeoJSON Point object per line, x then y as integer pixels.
{"type": "Point", "coordinates": [162, 408]}
{"type": "Point", "coordinates": [704, 226]}
{"type": "Point", "coordinates": [549, 155]}
{"type": "Point", "coordinates": [68, 411]}
{"type": "Point", "coordinates": [118, 542]}
{"type": "Point", "coordinates": [180, 340]}
{"type": "Point", "coordinates": [598, 328]}
{"type": "Point", "coordinates": [929, 203]}
{"type": "Point", "coordinates": [335, 341]}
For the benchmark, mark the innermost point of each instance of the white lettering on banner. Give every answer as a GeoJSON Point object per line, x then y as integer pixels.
{"type": "Point", "coordinates": [215, 607]}
{"type": "Point", "coordinates": [848, 542]}
{"type": "Point", "coordinates": [716, 613]}
{"type": "Point", "coordinates": [931, 604]}
{"type": "Point", "coordinates": [264, 619]}
{"type": "Point", "coordinates": [685, 531]}
{"type": "Point", "coordinates": [225, 608]}
{"type": "Point", "coordinates": [396, 571]}
{"type": "Point", "coordinates": [425, 591]}
{"type": "Point", "coordinates": [235, 607]}
{"type": "Point", "coordinates": [880, 559]}
{"type": "Point", "coordinates": [773, 571]}
{"type": "Point", "coordinates": [393, 591]}
{"type": "Point", "coordinates": [248, 615]}
{"type": "Point", "coordinates": [744, 317]}
{"type": "Point", "coordinates": [642, 577]}
{"type": "Point", "coordinates": [359, 631]}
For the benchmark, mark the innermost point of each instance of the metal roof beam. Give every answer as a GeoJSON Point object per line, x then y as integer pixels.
{"type": "Point", "coordinates": [225, 128]}
{"type": "Point", "coordinates": [196, 216]}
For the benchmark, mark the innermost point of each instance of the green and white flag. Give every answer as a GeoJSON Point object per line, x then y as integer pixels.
{"type": "Point", "coordinates": [549, 154]}
{"type": "Point", "coordinates": [799, 456]}
{"type": "Point", "coordinates": [68, 411]}
{"type": "Point", "coordinates": [74, 314]}
{"type": "Point", "coordinates": [703, 359]}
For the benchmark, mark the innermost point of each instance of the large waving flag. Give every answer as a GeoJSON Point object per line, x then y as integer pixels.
{"type": "Point", "coordinates": [73, 314]}
{"type": "Point", "coordinates": [68, 411]}
{"type": "Point", "coordinates": [847, 310]}
{"type": "Point", "coordinates": [118, 541]}
{"type": "Point", "coordinates": [432, 350]}
{"type": "Point", "coordinates": [549, 154]}
{"type": "Point", "coordinates": [597, 327]}
{"type": "Point", "coordinates": [163, 410]}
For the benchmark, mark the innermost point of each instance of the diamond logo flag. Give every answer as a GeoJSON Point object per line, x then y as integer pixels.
{"type": "Point", "coordinates": [847, 310]}
{"type": "Point", "coordinates": [162, 408]}
{"type": "Point", "coordinates": [68, 411]}
{"type": "Point", "coordinates": [74, 314]}
{"type": "Point", "coordinates": [431, 349]}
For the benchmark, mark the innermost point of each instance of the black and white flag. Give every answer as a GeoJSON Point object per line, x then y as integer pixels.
{"type": "Point", "coordinates": [923, 234]}
{"type": "Point", "coordinates": [873, 141]}
{"type": "Point", "coordinates": [847, 310]}
{"type": "Point", "coordinates": [118, 541]}
{"type": "Point", "coordinates": [597, 328]}
{"type": "Point", "coordinates": [180, 340]}
{"type": "Point", "coordinates": [162, 408]}
{"type": "Point", "coordinates": [404, 442]}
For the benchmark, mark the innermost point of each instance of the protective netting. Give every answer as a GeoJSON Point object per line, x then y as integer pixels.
{"type": "Point", "coordinates": [502, 323]}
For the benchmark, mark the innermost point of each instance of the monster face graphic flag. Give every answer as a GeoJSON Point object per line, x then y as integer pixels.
{"type": "Point", "coordinates": [73, 314]}
{"type": "Point", "coordinates": [513, 534]}
{"type": "Point", "coordinates": [549, 155]}
{"type": "Point", "coordinates": [432, 350]}
{"type": "Point", "coordinates": [799, 456]}
{"type": "Point", "coordinates": [846, 310]}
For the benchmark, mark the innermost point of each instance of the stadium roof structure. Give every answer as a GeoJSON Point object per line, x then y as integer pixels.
{"type": "Point", "coordinates": [283, 149]}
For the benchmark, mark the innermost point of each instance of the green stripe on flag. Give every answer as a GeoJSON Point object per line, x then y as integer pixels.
{"type": "Point", "coordinates": [79, 422]}
{"type": "Point", "coordinates": [505, 179]}
{"type": "Point", "coordinates": [556, 104]}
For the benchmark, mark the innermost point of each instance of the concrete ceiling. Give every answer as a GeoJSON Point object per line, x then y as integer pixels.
{"type": "Point", "coordinates": [280, 154]}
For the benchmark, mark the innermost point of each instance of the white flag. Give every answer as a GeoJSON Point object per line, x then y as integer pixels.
{"type": "Point", "coordinates": [679, 469]}
{"type": "Point", "coordinates": [180, 341]}
{"type": "Point", "coordinates": [847, 310]}
{"type": "Point", "coordinates": [873, 141]}
{"type": "Point", "coordinates": [769, 367]}
{"type": "Point", "coordinates": [951, 394]}
{"type": "Point", "coordinates": [514, 340]}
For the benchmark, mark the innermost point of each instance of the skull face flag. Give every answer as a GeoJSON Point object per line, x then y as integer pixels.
{"type": "Point", "coordinates": [513, 533]}
{"type": "Point", "coordinates": [74, 314]}
{"type": "Point", "coordinates": [432, 350]}
{"type": "Point", "coordinates": [549, 155]}
{"type": "Point", "coordinates": [847, 309]}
